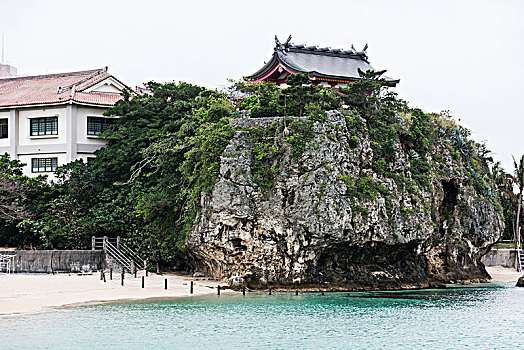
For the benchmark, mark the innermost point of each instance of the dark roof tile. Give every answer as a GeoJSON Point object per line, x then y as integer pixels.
{"type": "Point", "coordinates": [320, 62]}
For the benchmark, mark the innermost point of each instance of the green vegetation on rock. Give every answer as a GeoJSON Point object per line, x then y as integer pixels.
{"type": "Point", "coordinates": [163, 158]}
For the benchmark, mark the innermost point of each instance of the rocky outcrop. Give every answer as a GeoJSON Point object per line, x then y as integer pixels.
{"type": "Point", "coordinates": [520, 282]}
{"type": "Point", "coordinates": [328, 220]}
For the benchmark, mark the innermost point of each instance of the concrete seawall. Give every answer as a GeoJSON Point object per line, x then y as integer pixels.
{"type": "Point", "coordinates": [50, 261]}
{"type": "Point", "coordinates": [499, 257]}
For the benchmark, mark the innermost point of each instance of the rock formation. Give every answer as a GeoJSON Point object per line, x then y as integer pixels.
{"type": "Point", "coordinates": [520, 282]}
{"type": "Point", "coordinates": [320, 216]}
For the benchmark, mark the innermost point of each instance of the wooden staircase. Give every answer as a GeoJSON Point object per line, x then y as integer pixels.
{"type": "Point", "coordinates": [119, 252]}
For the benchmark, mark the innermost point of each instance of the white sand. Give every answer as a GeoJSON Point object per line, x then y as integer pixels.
{"type": "Point", "coordinates": [23, 293]}
{"type": "Point", "coordinates": [503, 274]}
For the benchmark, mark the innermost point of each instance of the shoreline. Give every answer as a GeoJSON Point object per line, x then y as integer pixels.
{"type": "Point", "coordinates": [34, 293]}
{"type": "Point", "coordinates": [503, 274]}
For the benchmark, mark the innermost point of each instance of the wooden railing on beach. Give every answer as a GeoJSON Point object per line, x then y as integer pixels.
{"type": "Point", "coordinates": [7, 263]}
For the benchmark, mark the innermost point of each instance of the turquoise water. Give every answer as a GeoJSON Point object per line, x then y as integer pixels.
{"type": "Point", "coordinates": [479, 317]}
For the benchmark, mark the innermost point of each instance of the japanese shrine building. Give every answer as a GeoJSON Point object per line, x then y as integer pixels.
{"type": "Point", "coordinates": [325, 66]}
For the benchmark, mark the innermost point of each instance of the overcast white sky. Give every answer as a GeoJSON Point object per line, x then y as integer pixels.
{"type": "Point", "coordinates": [464, 56]}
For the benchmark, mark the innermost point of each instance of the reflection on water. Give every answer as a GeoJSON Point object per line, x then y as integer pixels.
{"type": "Point", "coordinates": [481, 317]}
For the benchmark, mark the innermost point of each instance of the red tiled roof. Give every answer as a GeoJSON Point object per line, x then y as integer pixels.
{"type": "Point", "coordinates": [56, 88]}
{"type": "Point", "coordinates": [97, 98]}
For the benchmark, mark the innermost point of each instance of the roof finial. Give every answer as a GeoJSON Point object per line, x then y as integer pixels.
{"type": "Point", "coordinates": [277, 41]}
{"type": "Point", "coordinates": [279, 45]}
{"type": "Point", "coordinates": [288, 40]}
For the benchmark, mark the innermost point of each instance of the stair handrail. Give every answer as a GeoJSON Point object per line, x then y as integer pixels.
{"type": "Point", "coordinates": [131, 254]}
{"type": "Point", "coordinates": [117, 255]}
{"type": "Point", "coordinates": [120, 252]}
{"type": "Point", "coordinates": [98, 242]}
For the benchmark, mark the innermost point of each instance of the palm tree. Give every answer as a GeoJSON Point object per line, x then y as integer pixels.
{"type": "Point", "coordinates": [507, 197]}
{"type": "Point", "coordinates": [518, 180]}
{"type": "Point", "coordinates": [502, 180]}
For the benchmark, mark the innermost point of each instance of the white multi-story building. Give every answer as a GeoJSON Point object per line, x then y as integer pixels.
{"type": "Point", "coordinates": [49, 120]}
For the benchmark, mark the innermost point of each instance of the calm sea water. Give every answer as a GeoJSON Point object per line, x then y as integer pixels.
{"type": "Point", "coordinates": [478, 317]}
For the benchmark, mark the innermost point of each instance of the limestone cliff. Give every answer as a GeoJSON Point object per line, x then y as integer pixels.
{"type": "Point", "coordinates": [317, 213]}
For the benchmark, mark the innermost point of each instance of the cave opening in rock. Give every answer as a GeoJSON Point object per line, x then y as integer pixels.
{"type": "Point", "coordinates": [448, 203]}
{"type": "Point", "coordinates": [237, 244]}
{"type": "Point", "coordinates": [375, 264]}
{"type": "Point", "coordinates": [450, 197]}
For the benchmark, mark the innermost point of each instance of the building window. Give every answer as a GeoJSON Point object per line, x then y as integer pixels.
{"type": "Point", "coordinates": [43, 126]}
{"type": "Point", "coordinates": [97, 125]}
{"type": "Point", "coordinates": [43, 165]}
{"type": "Point", "coordinates": [3, 128]}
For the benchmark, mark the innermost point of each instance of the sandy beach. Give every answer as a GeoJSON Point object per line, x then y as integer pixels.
{"type": "Point", "coordinates": [503, 274]}
{"type": "Point", "coordinates": [27, 293]}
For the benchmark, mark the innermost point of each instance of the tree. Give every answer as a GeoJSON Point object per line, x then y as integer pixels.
{"type": "Point", "coordinates": [508, 200]}
{"type": "Point", "coordinates": [67, 221]}
{"type": "Point", "coordinates": [518, 180]}
{"type": "Point", "coordinates": [162, 156]}
{"type": "Point", "coordinates": [21, 198]}
{"type": "Point", "coordinates": [301, 98]}
{"type": "Point", "coordinates": [13, 186]}
{"type": "Point", "coordinates": [261, 99]}
{"type": "Point", "coordinates": [371, 94]}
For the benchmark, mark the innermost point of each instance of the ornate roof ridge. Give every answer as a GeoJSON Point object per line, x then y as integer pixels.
{"type": "Point", "coordinates": [315, 49]}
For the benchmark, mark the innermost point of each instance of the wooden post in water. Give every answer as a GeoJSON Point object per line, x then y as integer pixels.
{"type": "Point", "coordinates": [143, 281]}
{"type": "Point", "coordinates": [243, 290]}
{"type": "Point", "coordinates": [322, 293]}
{"type": "Point", "coordinates": [218, 289]}
{"type": "Point", "coordinates": [111, 273]}
{"type": "Point", "coordinates": [191, 288]}
{"type": "Point", "coordinates": [165, 283]}
{"type": "Point", "coordinates": [122, 277]}
{"type": "Point", "coordinates": [269, 291]}
{"type": "Point", "coordinates": [296, 292]}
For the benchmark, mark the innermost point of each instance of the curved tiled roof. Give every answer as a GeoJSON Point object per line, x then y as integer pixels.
{"type": "Point", "coordinates": [318, 62]}
{"type": "Point", "coordinates": [323, 65]}
{"type": "Point", "coordinates": [56, 88]}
